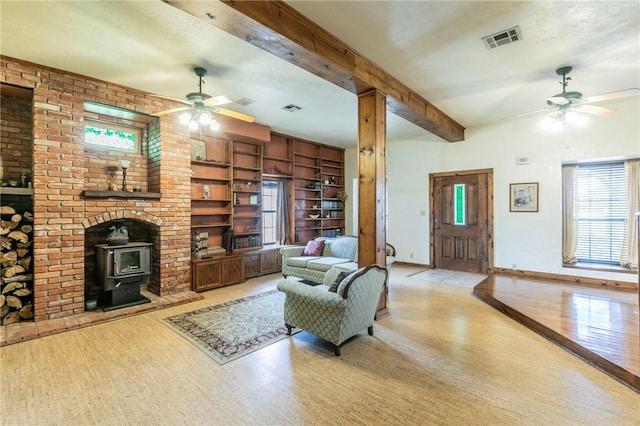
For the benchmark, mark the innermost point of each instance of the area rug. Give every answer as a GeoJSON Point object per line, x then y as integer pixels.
{"type": "Point", "coordinates": [232, 329]}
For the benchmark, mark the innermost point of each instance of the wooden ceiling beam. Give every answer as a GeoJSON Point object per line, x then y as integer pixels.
{"type": "Point", "coordinates": [279, 29]}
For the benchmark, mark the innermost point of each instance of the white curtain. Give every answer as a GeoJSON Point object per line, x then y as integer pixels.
{"type": "Point", "coordinates": [283, 221]}
{"type": "Point", "coordinates": [569, 214]}
{"type": "Point", "coordinates": [629, 255]}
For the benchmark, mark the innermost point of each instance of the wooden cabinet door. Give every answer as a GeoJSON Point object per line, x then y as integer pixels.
{"type": "Point", "coordinates": [269, 261]}
{"type": "Point", "coordinates": [232, 269]}
{"type": "Point", "coordinates": [251, 264]}
{"type": "Point", "coordinates": [206, 275]}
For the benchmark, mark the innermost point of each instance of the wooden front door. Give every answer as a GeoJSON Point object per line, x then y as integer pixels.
{"type": "Point", "coordinates": [461, 220]}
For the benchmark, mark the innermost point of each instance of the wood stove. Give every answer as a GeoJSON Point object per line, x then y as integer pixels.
{"type": "Point", "coordinates": [120, 271]}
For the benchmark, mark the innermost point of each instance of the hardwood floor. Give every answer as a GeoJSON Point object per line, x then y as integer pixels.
{"type": "Point", "coordinates": [598, 324]}
{"type": "Point", "coordinates": [441, 357]}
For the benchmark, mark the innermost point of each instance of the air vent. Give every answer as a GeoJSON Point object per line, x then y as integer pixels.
{"type": "Point", "coordinates": [291, 108]}
{"type": "Point", "coordinates": [244, 101]}
{"type": "Point", "coordinates": [503, 37]}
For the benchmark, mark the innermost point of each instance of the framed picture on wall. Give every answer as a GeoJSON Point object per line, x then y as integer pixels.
{"type": "Point", "coordinates": [523, 197]}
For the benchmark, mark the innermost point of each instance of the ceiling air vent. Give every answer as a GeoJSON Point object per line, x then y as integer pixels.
{"type": "Point", "coordinates": [291, 108]}
{"type": "Point", "coordinates": [244, 101]}
{"type": "Point", "coordinates": [503, 37]}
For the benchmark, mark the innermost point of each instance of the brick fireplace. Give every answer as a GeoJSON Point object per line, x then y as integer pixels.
{"type": "Point", "coordinates": [70, 211]}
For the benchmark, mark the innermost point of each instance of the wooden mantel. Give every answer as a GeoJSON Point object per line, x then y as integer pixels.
{"type": "Point", "coordinates": [281, 30]}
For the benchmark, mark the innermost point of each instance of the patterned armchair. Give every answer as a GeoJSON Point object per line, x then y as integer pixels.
{"type": "Point", "coordinates": [335, 316]}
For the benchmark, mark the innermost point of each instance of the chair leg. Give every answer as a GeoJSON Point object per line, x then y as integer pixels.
{"type": "Point", "coordinates": [336, 350]}
{"type": "Point", "coordinates": [370, 330]}
{"type": "Point", "coordinates": [288, 329]}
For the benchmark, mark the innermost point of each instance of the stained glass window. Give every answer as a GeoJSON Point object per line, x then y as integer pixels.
{"type": "Point", "coordinates": [459, 210]}
{"type": "Point", "coordinates": [111, 137]}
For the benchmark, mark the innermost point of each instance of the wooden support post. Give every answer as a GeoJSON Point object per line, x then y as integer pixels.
{"type": "Point", "coordinates": [372, 135]}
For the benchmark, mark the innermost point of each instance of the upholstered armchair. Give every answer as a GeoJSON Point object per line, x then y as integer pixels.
{"type": "Point", "coordinates": [335, 316]}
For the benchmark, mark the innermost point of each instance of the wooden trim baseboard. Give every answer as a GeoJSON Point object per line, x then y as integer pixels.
{"type": "Point", "coordinates": [570, 279]}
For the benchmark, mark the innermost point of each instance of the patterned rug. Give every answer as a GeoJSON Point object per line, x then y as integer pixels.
{"type": "Point", "coordinates": [232, 329]}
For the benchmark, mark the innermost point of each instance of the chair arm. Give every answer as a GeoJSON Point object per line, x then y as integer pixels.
{"type": "Point", "coordinates": [313, 295]}
{"type": "Point", "coordinates": [287, 252]}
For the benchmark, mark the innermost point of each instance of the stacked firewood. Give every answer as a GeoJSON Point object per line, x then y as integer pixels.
{"type": "Point", "coordinates": [16, 275]}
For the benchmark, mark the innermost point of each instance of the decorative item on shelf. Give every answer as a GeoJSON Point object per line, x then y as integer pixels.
{"type": "Point", "coordinates": [314, 216]}
{"type": "Point", "coordinates": [326, 181]}
{"type": "Point", "coordinates": [118, 235]}
{"type": "Point", "coordinates": [111, 180]}
{"type": "Point", "coordinates": [253, 200]}
{"type": "Point", "coordinates": [125, 165]}
{"type": "Point", "coordinates": [206, 192]}
{"type": "Point", "coordinates": [341, 195]}
{"type": "Point", "coordinates": [332, 181]}
{"type": "Point", "coordinates": [275, 170]}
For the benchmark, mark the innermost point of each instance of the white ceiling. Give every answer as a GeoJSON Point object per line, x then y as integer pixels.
{"type": "Point", "coordinates": [433, 47]}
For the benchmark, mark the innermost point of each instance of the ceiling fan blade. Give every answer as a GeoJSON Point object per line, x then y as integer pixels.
{"type": "Point", "coordinates": [234, 114]}
{"type": "Point", "coordinates": [595, 110]}
{"type": "Point", "coordinates": [558, 100]}
{"type": "Point", "coordinates": [613, 95]}
{"type": "Point", "coordinates": [217, 101]}
{"type": "Point", "coordinates": [182, 101]}
{"type": "Point", "coordinates": [171, 111]}
{"type": "Point", "coordinates": [538, 111]}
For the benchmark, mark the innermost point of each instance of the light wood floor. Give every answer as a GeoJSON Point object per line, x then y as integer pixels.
{"type": "Point", "coordinates": [599, 324]}
{"type": "Point", "coordinates": [441, 357]}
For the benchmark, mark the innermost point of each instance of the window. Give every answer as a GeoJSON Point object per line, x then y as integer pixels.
{"type": "Point", "coordinates": [269, 212]}
{"type": "Point", "coordinates": [459, 209]}
{"type": "Point", "coordinates": [600, 210]}
{"type": "Point", "coordinates": [112, 137]}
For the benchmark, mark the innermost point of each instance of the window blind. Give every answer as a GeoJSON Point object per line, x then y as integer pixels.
{"type": "Point", "coordinates": [602, 210]}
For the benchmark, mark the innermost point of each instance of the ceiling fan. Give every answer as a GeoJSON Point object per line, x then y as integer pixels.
{"type": "Point", "coordinates": [200, 104]}
{"type": "Point", "coordinates": [562, 104]}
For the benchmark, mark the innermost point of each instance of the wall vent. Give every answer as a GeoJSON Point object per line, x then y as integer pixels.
{"type": "Point", "coordinates": [291, 108]}
{"type": "Point", "coordinates": [522, 161]}
{"type": "Point", "coordinates": [503, 37]}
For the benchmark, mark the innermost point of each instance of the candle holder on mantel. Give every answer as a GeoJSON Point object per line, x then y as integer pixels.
{"type": "Point", "coordinates": [125, 165]}
{"type": "Point", "coordinates": [111, 172]}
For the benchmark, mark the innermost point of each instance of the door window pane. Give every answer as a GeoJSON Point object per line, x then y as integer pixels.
{"type": "Point", "coordinates": [459, 202]}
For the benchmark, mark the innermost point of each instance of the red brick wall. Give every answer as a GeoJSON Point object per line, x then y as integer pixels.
{"type": "Point", "coordinates": [63, 168]}
{"type": "Point", "coordinates": [15, 137]}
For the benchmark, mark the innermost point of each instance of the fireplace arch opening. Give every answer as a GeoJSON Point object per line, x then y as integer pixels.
{"type": "Point", "coordinates": [139, 232]}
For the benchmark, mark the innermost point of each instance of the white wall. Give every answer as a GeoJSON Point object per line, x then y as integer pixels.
{"type": "Point", "coordinates": [532, 241]}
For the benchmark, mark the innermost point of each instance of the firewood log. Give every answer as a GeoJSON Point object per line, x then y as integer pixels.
{"type": "Point", "coordinates": [11, 287]}
{"type": "Point", "coordinates": [4, 310]}
{"type": "Point", "coordinates": [19, 236]}
{"type": "Point", "coordinates": [11, 318]}
{"type": "Point", "coordinates": [9, 224]}
{"type": "Point", "coordinates": [12, 270]}
{"type": "Point", "coordinates": [23, 277]}
{"type": "Point", "coordinates": [14, 302]}
{"type": "Point", "coordinates": [4, 231]}
{"type": "Point", "coordinates": [26, 228]}
{"type": "Point", "coordinates": [16, 218]}
{"type": "Point", "coordinates": [25, 262]}
{"type": "Point", "coordinates": [22, 252]}
{"type": "Point", "coordinates": [21, 292]}
{"type": "Point", "coordinates": [7, 210]}
{"type": "Point", "coordinates": [28, 216]}
{"type": "Point", "coordinates": [26, 312]}
{"type": "Point", "coordinates": [25, 245]}
{"type": "Point", "coordinates": [7, 243]}
{"type": "Point", "coordinates": [9, 258]}
{"type": "Point", "coordinates": [2, 300]}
